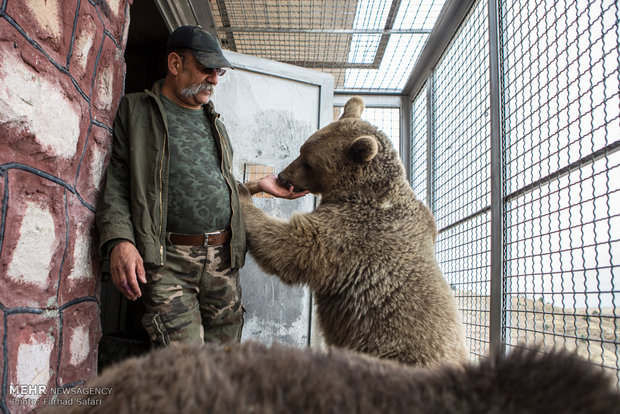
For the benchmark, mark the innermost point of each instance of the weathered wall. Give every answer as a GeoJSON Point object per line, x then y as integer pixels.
{"type": "Point", "coordinates": [268, 118]}
{"type": "Point", "coordinates": [61, 78]}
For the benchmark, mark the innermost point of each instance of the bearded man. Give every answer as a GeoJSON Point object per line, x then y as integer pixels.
{"type": "Point", "coordinates": [168, 215]}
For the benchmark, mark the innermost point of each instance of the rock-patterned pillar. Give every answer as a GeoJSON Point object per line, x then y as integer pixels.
{"type": "Point", "coordinates": [61, 79]}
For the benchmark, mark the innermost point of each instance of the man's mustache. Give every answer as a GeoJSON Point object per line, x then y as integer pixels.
{"type": "Point", "coordinates": [196, 88]}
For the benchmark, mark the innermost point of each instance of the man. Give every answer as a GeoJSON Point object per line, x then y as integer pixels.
{"type": "Point", "coordinates": [169, 215]}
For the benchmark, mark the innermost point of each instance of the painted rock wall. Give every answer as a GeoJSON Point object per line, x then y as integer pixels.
{"type": "Point", "coordinates": [61, 79]}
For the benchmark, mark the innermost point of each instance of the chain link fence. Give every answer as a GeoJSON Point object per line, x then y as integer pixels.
{"type": "Point", "coordinates": [554, 187]}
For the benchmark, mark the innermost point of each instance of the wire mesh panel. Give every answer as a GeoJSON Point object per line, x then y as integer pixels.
{"type": "Point", "coordinates": [562, 129]}
{"type": "Point", "coordinates": [461, 172]}
{"type": "Point", "coordinates": [419, 138]}
{"type": "Point", "coordinates": [364, 44]}
{"type": "Point", "coordinates": [384, 118]}
{"type": "Point", "coordinates": [387, 120]}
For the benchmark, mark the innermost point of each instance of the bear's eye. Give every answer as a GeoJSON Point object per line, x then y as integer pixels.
{"type": "Point", "coordinates": [307, 165]}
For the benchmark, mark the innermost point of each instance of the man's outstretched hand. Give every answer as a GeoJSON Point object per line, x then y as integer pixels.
{"type": "Point", "coordinates": [271, 185]}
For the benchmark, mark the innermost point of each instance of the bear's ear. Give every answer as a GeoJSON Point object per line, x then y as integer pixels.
{"type": "Point", "coordinates": [353, 108]}
{"type": "Point", "coordinates": [364, 148]}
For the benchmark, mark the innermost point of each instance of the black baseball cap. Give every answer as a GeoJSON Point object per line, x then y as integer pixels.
{"type": "Point", "coordinates": [204, 45]}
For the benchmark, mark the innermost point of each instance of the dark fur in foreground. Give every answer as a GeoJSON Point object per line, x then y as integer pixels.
{"type": "Point", "coordinates": [254, 378]}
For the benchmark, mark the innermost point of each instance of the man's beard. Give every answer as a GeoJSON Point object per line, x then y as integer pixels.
{"type": "Point", "coordinates": [196, 88]}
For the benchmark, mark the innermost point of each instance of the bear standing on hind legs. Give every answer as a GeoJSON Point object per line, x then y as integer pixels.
{"type": "Point", "coordinates": [366, 252]}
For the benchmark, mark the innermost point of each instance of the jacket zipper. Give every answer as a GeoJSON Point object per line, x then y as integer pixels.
{"type": "Point", "coordinates": [219, 136]}
{"type": "Point", "coordinates": [161, 200]}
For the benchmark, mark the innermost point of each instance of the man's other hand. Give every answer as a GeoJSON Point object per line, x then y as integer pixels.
{"type": "Point", "coordinates": [127, 269]}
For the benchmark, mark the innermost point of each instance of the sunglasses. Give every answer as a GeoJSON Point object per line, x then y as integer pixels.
{"type": "Point", "coordinates": [218, 71]}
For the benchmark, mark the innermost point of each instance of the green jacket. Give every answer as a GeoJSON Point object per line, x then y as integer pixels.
{"type": "Point", "coordinates": [134, 199]}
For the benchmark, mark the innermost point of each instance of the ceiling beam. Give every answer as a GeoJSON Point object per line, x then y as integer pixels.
{"type": "Point", "coordinates": [323, 31]}
{"type": "Point", "coordinates": [385, 38]}
{"type": "Point", "coordinates": [178, 13]}
{"type": "Point", "coordinates": [175, 13]}
{"type": "Point", "coordinates": [203, 15]}
{"type": "Point", "coordinates": [230, 39]}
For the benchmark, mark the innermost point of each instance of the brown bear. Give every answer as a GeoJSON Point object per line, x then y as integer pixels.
{"type": "Point", "coordinates": [366, 252]}
{"type": "Point", "coordinates": [254, 378]}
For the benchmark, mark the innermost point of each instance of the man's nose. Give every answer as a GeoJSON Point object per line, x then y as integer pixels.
{"type": "Point", "coordinates": [213, 78]}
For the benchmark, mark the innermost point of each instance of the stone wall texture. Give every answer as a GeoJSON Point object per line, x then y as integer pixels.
{"type": "Point", "coordinates": [61, 79]}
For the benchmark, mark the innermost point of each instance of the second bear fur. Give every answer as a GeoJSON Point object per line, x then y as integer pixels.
{"type": "Point", "coordinates": [254, 378]}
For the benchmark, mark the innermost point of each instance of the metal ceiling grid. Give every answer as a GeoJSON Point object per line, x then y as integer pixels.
{"type": "Point", "coordinates": [367, 45]}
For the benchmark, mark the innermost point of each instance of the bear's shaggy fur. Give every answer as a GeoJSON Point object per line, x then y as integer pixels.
{"type": "Point", "coordinates": [254, 378]}
{"type": "Point", "coordinates": [366, 252]}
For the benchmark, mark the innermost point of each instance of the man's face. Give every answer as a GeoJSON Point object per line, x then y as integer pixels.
{"type": "Point", "coordinates": [194, 83]}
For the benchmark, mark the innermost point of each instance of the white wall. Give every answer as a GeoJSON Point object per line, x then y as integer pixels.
{"type": "Point", "coordinates": [268, 117]}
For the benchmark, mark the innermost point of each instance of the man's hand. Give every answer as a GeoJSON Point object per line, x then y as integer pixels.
{"type": "Point", "coordinates": [126, 268]}
{"type": "Point", "coordinates": [271, 185]}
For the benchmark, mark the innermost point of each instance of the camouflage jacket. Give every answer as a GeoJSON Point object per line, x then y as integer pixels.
{"type": "Point", "coordinates": [134, 199]}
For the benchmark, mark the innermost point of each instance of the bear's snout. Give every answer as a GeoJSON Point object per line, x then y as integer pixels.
{"type": "Point", "coordinates": [283, 181]}
{"type": "Point", "coordinates": [286, 183]}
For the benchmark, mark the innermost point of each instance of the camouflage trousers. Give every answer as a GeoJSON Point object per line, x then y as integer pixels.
{"type": "Point", "coordinates": [194, 297]}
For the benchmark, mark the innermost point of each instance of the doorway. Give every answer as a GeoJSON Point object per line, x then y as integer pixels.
{"type": "Point", "coordinates": [123, 335]}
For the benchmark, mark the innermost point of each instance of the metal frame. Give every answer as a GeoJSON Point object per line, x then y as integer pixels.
{"type": "Point", "coordinates": [430, 158]}
{"type": "Point", "coordinates": [382, 101]}
{"type": "Point", "coordinates": [405, 141]}
{"type": "Point", "coordinates": [176, 13]}
{"type": "Point", "coordinates": [446, 27]}
{"type": "Point", "coordinates": [183, 12]}
{"type": "Point", "coordinates": [527, 195]}
{"type": "Point", "coordinates": [497, 181]}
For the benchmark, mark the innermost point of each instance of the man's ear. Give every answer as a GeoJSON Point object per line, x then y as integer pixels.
{"type": "Point", "coordinates": [175, 63]}
{"type": "Point", "coordinates": [364, 148]}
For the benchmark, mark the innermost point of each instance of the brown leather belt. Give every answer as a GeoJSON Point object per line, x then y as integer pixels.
{"type": "Point", "coordinates": [205, 239]}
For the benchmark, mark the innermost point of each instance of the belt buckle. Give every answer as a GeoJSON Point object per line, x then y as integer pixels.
{"type": "Point", "coordinates": [213, 233]}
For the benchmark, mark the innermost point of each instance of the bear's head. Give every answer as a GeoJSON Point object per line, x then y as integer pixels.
{"type": "Point", "coordinates": [346, 158]}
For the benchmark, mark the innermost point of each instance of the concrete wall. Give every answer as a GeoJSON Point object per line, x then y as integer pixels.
{"type": "Point", "coordinates": [61, 78]}
{"type": "Point", "coordinates": [267, 127]}
{"type": "Point", "coordinates": [270, 109]}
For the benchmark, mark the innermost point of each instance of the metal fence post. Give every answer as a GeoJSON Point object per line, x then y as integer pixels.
{"type": "Point", "coordinates": [497, 181]}
{"type": "Point", "coordinates": [430, 154]}
{"type": "Point", "coordinates": [405, 135]}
